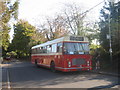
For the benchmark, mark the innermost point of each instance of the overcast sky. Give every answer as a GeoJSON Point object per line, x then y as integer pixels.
{"type": "Point", "coordinates": [34, 10]}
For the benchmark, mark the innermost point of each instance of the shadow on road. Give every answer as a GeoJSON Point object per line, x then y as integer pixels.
{"type": "Point", "coordinates": [28, 75]}
{"type": "Point", "coordinates": [105, 86]}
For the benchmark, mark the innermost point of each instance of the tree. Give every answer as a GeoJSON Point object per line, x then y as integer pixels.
{"type": "Point", "coordinates": [74, 19]}
{"type": "Point", "coordinates": [57, 27]}
{"type": "Point", "coordinates": [76, 24]}
{"type": "Point", "coordinates": [7, 11]}
{"type": "Point", "coordinates": [52, 29]}
{"type": "Point", "coordinates": [71, 21]}
{"type": "Point", "coordinates": [110, 20]}
{"type": "Point", "coordinates": [23, 31]}
{"type": "Point", "coordinates": [92, 31]}
{"type": "Point", "coordinates": [114, 25]}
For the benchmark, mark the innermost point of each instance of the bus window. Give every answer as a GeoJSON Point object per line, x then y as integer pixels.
{"type": "Point", "coordinates": [33, 51]}
{"type": "Point", "coordinates": [38, 50]}
{"type": "Point", "coordinates": [49, 48]}
{"type": "Point", "coordinates": [54, 47]}
{"type": "Point", "coordinates": [76, 48]}
{"type": "Point", "coordinates": [41, 48]}
{"type": "Point", "coordinates": [59, 47]}
{"type": "Point", "coordinates": [44, 49]}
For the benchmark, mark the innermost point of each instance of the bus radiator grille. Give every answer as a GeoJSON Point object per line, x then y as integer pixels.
{"type": "Point", "coordinates": [78, 61]}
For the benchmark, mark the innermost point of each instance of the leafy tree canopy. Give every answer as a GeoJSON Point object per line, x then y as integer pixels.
{"type": "Point", "coordinates": [23, 31]}
{"type": "Point", "coordinates": [7, 11]}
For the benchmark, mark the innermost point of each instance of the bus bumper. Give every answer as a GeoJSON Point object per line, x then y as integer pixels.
{"type": "Point", "coordinates": [76, 69]}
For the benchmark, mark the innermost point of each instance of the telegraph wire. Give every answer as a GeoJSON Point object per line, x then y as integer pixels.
{"type": "Point", "coordinates": [92, 7]}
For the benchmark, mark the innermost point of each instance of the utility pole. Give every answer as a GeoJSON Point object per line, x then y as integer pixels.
{"type": "Point", "coordinates": [110, 41]}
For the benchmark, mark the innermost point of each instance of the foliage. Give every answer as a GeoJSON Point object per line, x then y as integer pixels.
{"type": "Point", "coordinates": [7, 11]}
{"type": "Point", "coordinates": [69, 22]}
{"type": "Point", "coordinates": [92, 31]}
{"type": "Point", "coordinates": [76, 24]}
{"type": "Point", "coordinates": [74, 19]}
{"type": "Point", "coordinates": [110, 20]}
{"type": "Point", "coordinates": [23, 31]}
{"type": "Point", "coordinates": [94, 46]}
{"type": "Point", "coordinates": [51, 29]}
{"type": "Point", "coordinates": [11, 54]}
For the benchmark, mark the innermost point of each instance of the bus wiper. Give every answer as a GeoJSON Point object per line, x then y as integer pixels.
{"type": "Point", "coordinates": [76, 52]}
{"type": "Point", "coordinates": [82, 47]}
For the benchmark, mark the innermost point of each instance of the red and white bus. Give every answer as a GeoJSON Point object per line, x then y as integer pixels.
{"type": "Point", "coordinates": [69, 53]}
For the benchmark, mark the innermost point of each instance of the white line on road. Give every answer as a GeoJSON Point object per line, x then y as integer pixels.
{"type": "Point", "coordinates": [0, 77]}
{"type": "Point", "coordinates": [8, 78]}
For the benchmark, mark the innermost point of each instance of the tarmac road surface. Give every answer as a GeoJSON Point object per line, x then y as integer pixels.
{"type": "Point", "coordinates": [27, 75]}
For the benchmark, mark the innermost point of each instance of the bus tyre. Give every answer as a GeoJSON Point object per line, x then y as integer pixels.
{"type": "Point", "coordinates": [52, 67]}
{"type": "Point", "coordinates": [36, 64]}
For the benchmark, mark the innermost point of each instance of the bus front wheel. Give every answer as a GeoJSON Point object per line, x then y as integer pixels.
{"type": "Point", "coordinates": [52, 67]}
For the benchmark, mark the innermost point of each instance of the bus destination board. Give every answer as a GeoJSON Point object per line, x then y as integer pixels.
{"type": "Point", "coordinates": [76, 38]}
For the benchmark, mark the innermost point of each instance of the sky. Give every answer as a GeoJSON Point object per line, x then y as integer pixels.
{"type": "Point", "coordinates": [34, 11]}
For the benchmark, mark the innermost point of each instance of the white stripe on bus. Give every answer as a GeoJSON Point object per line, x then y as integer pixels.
{"type": "Point", "coordinates": [64, 68]}
{"type": "Point", "coordinates": [47, 54]}
{"type": "Point", "coordinates": [71, 68]}
{"type": "Point", "coordinates": [44, 65]}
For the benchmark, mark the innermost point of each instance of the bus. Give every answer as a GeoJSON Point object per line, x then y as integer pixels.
{"type": "Point", "coordinates": [69, 53]}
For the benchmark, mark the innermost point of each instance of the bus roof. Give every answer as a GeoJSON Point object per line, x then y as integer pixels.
{"type": "Point", "coordinates": [66, 38]}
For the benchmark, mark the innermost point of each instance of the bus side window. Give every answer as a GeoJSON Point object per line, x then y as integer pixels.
{"type": "Point", "coordinates": [33, 51]}
{"type": "Point", "coordinates": [44, 49]}
{"type": "Point", "coordinates": [49, 48]}
{"type": "Point", "coordinates": [59, 47]}
{"type": "Point", "coordinates": [54, 47]}
{"type": "Point", "coordinates": [41, 49]}
{"type": "Point", "coordinates": [38, 50]}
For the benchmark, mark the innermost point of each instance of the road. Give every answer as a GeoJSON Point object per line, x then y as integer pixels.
{"type": "Point", "coordinates": [26, 75]}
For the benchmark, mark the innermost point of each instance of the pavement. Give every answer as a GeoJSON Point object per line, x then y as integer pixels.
{"type": "Point", "coordinates": [106, 73]}
{"type": "Point", "coordinates": [110, 74]}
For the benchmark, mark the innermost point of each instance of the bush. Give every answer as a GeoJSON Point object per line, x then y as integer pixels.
{"type": "Point", "coordinates": [11, 54]}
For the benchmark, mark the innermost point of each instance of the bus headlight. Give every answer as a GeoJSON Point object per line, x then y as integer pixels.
{"type": "Point", "coordinates": [88, 63]}
{"type": "Point", "coordinates": [69, 64]}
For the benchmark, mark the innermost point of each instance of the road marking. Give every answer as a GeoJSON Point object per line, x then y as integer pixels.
{"type": "Point", "coordinates": [0, 77]}
{"type": "Point", "coordinates": [8, 78]}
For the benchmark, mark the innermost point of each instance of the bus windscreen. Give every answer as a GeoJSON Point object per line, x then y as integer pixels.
{"type": "Point", "coordinates": [76, 48]}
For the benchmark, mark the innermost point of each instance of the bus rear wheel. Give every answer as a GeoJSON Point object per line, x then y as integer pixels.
{"type": "Point", "coordinates": [52, 67]}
